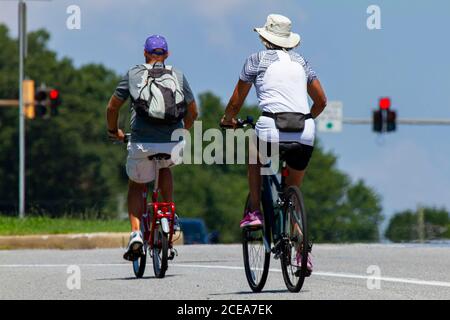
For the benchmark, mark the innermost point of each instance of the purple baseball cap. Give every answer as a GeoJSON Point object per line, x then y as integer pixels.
{"type": "Point", "coordinates": [155, 42]}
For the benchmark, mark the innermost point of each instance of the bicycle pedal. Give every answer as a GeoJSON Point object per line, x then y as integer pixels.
{"type": "Point", "coordinates": [172, 255]}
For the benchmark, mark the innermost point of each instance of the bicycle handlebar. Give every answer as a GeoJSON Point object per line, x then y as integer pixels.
{"type": "Point", "coordinates": [241, 123]}
{"type": "Point", "coordinates": [125, 140]}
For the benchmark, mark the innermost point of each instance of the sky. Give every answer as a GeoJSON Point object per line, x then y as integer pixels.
{"type": "Point", "coordinates": [407, 60]}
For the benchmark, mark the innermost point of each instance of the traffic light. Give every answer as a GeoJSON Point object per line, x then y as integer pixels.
{"type": "Point", "coordinates": [41, 102]}
{"type": "Point", "coordinates": [384, 119]}
{"type": "Point", "coordinates": [391, 121]}
{"type": "Point", "coordinates": [55, 101]}
{"type": "Point", "coordinates": [45, 98]}
{"type": "Point", "coordinates": [28, 98]}
{"type": "Point", "coordinates": [377, 121]}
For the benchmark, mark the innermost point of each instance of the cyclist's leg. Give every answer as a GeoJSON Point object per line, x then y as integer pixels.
{"type": "Point", "coordinates": [254, 181]}
{"type": "Point", "coordinates": [295, 177]}
{"type": "Point", "coordinates": [166, 184]}
{"type": "Point", "coordinates": [253, 216]}
{"type": "Point", "coordinates": [140, 171]}
{"type": "Point", "coordinates": [254, 175]}
{"type": "Point", "coordinates": [135, 203]}
{"type": "Point", "coordinates": [297, 160]}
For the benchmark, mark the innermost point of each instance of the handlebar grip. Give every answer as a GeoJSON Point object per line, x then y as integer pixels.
{"type": "Point", "coordinates": [240, 123]}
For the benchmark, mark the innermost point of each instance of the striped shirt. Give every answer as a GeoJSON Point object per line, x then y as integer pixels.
{"type": "Point", "coordinates": [281, 79]}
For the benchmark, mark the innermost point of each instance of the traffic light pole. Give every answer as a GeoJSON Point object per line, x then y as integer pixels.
{"type": "Point", "coordinates": [445, 122]}
{"type": "Point", "coordinates": [22, 44]}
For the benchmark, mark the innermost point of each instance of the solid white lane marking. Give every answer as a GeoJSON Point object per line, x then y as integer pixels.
{"type": "Point", "coordinates": [387, 279]}
{"type": "Point", "coordinates": [336, 275]}
{"type": "Point", "coordinates": [191, 266]}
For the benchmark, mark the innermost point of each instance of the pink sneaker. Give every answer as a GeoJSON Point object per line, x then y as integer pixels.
{"type": "Point", "coordinates": [309, 265]}
{"type": "Point", "coordinates": [252, 219]}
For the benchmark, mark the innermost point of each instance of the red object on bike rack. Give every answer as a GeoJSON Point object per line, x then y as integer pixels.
{"type": "Point", "coordinates": [160, 210]}
{"type": "Point", "coordinates": [163, 210]}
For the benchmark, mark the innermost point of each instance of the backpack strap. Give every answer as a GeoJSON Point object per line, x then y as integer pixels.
{"type": "Point", "coordinates": [147, 66]}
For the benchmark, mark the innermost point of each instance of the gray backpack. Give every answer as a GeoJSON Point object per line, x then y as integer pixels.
{"type": "Point", "coordinates": [161, 100]}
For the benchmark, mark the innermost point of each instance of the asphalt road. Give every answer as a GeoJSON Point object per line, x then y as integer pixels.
{"type": "Point", "coordinates": [216, 272]}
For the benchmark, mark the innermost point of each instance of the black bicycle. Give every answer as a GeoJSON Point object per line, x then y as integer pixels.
{"type": "Point", "coordinates": [284, 231]}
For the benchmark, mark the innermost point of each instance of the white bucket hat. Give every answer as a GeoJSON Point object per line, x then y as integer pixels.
{"type": "Point", "coordinates": [277, 30]}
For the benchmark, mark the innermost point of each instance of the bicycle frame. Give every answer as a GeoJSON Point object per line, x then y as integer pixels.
{"type": "Point", "coordinates": [273, 207]}
{"type": "Point", "coordinates": [159, 210]}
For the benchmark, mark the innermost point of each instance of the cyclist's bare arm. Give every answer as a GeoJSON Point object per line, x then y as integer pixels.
{"type": "Point", "coordinates": [191, 115]}
{"type": "Point", "coordinates": [112, 118]}
{"type": "Point", "coordinates": [318, 97]}
{"type": "Point", "coordinates": [236, 101]}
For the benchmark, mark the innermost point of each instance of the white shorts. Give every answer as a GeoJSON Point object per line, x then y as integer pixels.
{"type": "Point", "coordinates": [142, 170]}
{"type": "Point", "coordinates": [267, 131]}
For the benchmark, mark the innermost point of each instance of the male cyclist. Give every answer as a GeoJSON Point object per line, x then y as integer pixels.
{"type": "Point", "coordinates": [145, 83]}
{"type": "Point", "coordinates": [283, 80]}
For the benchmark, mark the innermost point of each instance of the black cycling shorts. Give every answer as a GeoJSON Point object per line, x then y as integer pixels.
{"type": "Point", "coordinates": [298, 159]}
{"type": "Point", "coordinates": [297, 156]}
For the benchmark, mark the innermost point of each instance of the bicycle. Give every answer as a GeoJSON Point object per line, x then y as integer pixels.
{"type": "Point", "coordinates": [284, 225]}
{"type": "Point", "coordinates": [157, 227]}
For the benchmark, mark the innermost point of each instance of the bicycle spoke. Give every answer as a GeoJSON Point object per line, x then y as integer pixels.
{"type": "Point", "coordinates": [256, 257]}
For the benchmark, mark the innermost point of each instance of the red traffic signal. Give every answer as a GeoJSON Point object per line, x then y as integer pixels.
{"type": "Point", "coordinates": [53, 94]}
{"type": "Point", "coordinates": [385, 103]}
{"type": "Point", "coordinates": [384, 119]}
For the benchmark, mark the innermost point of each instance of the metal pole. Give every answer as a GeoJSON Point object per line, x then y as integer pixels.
{"type": "Point", "coordinates": [22, 35]}
{"type": "Point", "coordinates": [421, 223]}
{"type": "Point", "coordinates": [434, 122]}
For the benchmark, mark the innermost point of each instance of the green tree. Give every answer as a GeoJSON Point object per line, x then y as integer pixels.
{"type": "Point", "coordinates": [404, 226]}
{"type": "Point", "coordinates": [70, 168]}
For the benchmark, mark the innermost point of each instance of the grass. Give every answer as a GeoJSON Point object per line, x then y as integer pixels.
{"type": "Point", "coordinates": [45, 225]}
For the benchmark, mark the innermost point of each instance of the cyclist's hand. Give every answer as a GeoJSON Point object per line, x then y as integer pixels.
{"type": "Point", "coordinates": [119, 135]}
{"type": "Point", "coordinates": [224, 123]}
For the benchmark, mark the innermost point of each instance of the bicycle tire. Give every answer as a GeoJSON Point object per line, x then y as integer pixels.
{"type": "Point", "coordinates": [255, 283]}
{"type": "Point", "coordinates": [160, 252]}
{"type": "Point", "coordinates": [299, 217]}
{"type": "Point", "coordinates": [140, 263]}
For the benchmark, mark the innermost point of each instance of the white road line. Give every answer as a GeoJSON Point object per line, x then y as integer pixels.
{"type": "Point", "coordinates": [335, 275]}
{"type": "Point", "coordinates": [191, 266]}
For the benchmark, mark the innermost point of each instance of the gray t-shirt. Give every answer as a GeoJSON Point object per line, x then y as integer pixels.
{"type": "Point", "coordinates": [141, 129]}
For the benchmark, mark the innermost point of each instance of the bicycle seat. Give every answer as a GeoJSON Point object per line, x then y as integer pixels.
{"type": "Point", "coordinates": [160, 156]}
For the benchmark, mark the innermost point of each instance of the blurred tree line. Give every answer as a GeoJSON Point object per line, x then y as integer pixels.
{"type": "Point", "coordinates": [426, 223]}
{"type": "Point", "coordinates": [73, 169]}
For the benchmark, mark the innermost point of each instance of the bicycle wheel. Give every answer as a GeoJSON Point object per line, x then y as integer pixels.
{"type": "Point", "coordinates": [256, 257]}
{"type": "Point", "coordinates": [294, 256]}
{"type": "Point", "coordinates": [140, 263]}
{"type": "Point", "coordinates": [160, 252]}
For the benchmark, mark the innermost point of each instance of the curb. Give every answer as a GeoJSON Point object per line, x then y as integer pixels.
{"type": "Point", "coordinates": [69, 241]}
